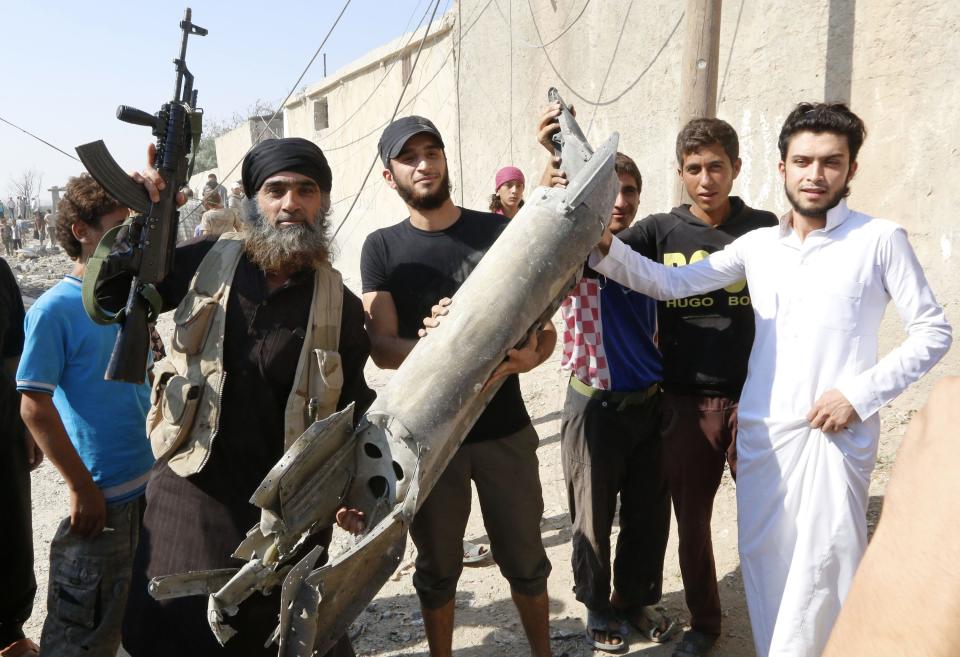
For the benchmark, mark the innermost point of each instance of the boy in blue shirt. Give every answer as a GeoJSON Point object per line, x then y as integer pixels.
{"type": "Point", "coordinates": [93, 431]}
{"type": "Point", "coordinates": [611, 446]}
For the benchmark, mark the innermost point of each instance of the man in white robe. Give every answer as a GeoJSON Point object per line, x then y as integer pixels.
{"type": "Point", "coordinates": [808, 423]}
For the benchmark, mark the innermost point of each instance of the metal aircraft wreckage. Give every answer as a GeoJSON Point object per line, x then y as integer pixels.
{"type": "Point", "coordinates": [387, 464]}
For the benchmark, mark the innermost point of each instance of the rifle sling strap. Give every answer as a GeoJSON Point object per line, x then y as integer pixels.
{"type": "Point", "coordinates": [91, 276]}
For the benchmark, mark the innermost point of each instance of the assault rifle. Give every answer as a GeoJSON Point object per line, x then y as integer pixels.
{"type": "Point", "coordinates": [143, 246]}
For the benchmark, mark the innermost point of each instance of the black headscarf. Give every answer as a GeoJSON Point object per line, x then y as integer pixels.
{"type": "Point", "coordinates": [291, 154]}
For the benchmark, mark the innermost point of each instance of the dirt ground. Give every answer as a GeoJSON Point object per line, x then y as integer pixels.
{"type": "Point", "coordinates": [486, 623]}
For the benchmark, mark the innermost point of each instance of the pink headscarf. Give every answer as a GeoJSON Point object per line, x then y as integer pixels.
{"type": "Point", "coordinates": [506, 174]}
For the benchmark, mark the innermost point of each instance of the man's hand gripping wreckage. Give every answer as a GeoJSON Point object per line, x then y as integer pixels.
{"type": "Point", "coordinates": [386, 465]}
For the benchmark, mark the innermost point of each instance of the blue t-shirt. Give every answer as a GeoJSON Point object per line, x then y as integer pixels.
{"type": "Point", "coordinates": [65, 354]}
{"type": "Point", "coordinates": [629, 321]}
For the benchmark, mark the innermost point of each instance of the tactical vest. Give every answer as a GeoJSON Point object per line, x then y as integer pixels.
{"type": "Point", "coordinates": [188, 385]}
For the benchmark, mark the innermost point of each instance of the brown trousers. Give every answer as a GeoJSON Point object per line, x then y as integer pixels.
{"type": "Point", "coordinates": [506, 472]}
{"type": "Point", "coordinates": [608, 451]}
{"type": "Point", "coordinates": [699, 435]}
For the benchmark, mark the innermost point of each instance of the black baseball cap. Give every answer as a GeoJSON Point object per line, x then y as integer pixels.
{"type": "Point", "coordinates": [396, 135]}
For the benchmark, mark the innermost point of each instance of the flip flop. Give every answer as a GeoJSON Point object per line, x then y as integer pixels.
{"type": "Point", "coordinates": [21, 648]}
{"type": "Point", "coordinates": [606, 623]}
{"type": "Point", "coordinates": [649, 622]}
{"type": "Point", "coordinates": [473, 553]}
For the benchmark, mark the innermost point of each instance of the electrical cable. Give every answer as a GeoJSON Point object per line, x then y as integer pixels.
{"type": "Point", "coordinates": [396, 109]}
{"type": "Point", "coordinates": [331, 131]}
{"type": "Point", "coordinates": [376, 129]}
{"type": "Point", "coordinates": [527, 44]}
{"type": "Point", "coordinates": [613, 58]}
{"type": "Point", "coordinates": [628, 87]}
{"type": "Point", "coordinates": [292, 89]}
{"type": "Point", "coordinates": [733, 41]}
{"type": "Point", "coordinates": [40, 139]}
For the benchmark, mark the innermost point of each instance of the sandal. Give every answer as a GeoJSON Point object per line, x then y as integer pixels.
{"type": "Point", "coordinates": [652, 624]}
{"type": "Point", "coordinates": [599, 622]}
{"type": "Point", "coordinates": [21, 648]}
{"type": "Point", "coordinates": [473, 553]}
{"type": "Point", "coordinates": [694, 644]}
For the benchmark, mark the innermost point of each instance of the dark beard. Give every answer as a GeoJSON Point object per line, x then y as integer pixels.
{"type": "Point", "coordinates": [289, 249]}
{"type": "Point", "coordinates": [430, 200]}
{"type": "Point", "coordinates": [819, 211]}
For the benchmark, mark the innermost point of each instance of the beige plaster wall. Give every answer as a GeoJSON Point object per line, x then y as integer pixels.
{"type": "Point", "coordinates": [894, 61]}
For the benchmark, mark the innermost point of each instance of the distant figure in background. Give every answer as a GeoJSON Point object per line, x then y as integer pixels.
{"type": "Point", "coordinates": [213, 185]}
{"type": "Point", "coordinates": [236, 198]}
{"type": "Point", "coordinates": [7, 233]}
{"type": "Point", "coordinates": [17, 231]}
{"type": "Point", "coordinates": [507, 198]}
{"type": "Point", "coordinates": [50, 219]}
{"type": "Point", "coordinates": [39, 228]}
{"type": "Point", "coordinates": [190, 213]}
{"type": "Point", "coordinates": [217, 220]}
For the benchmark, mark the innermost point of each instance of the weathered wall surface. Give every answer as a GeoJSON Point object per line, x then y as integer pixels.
{"type": "Point", "coordinates": [360, 100]}
{"type": "Point", "coordinates": [618, 61]}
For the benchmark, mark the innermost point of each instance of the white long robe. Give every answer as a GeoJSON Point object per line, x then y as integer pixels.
{"type": "Point", "coordinates": [802, 493]}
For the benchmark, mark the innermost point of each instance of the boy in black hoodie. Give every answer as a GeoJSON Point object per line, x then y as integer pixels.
{"type": "Point", "coordinates": [706, 341]}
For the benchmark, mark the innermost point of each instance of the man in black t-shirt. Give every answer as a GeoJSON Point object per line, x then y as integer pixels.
{"type": "Point", "coordinates": [18, 455]}
{"type": "Point", "coordinates": [407, 269]}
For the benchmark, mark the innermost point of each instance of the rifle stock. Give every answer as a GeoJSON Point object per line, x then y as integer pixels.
{"type": "Point", "coordinates": [147, 248]}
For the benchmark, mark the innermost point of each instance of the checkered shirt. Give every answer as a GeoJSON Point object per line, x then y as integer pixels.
{"type": "Point", "coordinates": [583, 352]}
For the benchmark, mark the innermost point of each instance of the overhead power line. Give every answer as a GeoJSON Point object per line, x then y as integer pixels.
{"type": "Point", "coordinates": [292, 89]}
{"type": "Point", "coordinates": [609, 101]}
{"type": "Point", "coordinates": [331, 131]}
{"type": "Point", "coordinates": [613, 58]}
{"type": "Point", "coordinates": [423, 88]}
{"type": "Point", "coordinates": [40, 139]}
{"type": "Point", "coordinates": [566, 29]}
{"type": "Point", "coordinates": [396, 109]}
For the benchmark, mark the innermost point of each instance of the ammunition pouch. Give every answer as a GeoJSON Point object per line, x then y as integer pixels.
{"type": "Point", "coordinates": [174, 401]}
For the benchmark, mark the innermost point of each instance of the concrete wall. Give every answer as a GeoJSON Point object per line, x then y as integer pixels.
{"type": "Point", "coordinates": [893, 61]}
{"type": "Point", "coordinates": [360, 100]}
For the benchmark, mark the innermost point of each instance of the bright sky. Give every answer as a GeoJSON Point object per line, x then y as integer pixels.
{"type": "Point", "coordinates": [66, 65]}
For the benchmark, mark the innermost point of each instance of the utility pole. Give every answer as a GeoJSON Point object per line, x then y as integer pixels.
{"type": "Point", "coordinates": [55, 192]}
{"type": "Point", "coordinates": [700, 65]}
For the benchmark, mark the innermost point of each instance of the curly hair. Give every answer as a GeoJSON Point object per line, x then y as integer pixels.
{"type": "Point", "coordinates": [823, 117]}
{"type": "Point", "coordinates": [707, 132]}
{"type": "Point", "coordinates": [86, 201]}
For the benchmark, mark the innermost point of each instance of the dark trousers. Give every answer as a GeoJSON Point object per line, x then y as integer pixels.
{"type": "Point", "coordinates": [609, 450]}
{"type": "Point", "coordinates": [699, 435]}
{"type": "Point", "coordinates": [506, 472]}
{"type": "Point", "coordinates": [17, 582]}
